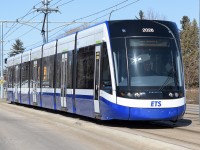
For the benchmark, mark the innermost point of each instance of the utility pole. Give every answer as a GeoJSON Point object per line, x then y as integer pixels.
{"type": "Point", "coordinates": [46, 10]}
{"type": "Point", "coordinates": [199, 60]}
{"type": "Point", "coordinates": [2, 78]}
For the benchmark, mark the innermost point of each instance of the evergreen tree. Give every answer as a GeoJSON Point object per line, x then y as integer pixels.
{"type": "Point", "coordinates": [141, 15]}
{"type": "Point", "coordinates": [17, 48]}
{"type": "Point", "coordinates": [185, 22]}
{"type": "Point", "coordinates": [189, 45]}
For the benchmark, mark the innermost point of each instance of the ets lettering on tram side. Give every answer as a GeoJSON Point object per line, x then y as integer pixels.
{"type": "Point", "coordinates": [124, 70]}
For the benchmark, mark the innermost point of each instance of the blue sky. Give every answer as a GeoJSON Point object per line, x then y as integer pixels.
{"type": "Point", "coordinates": [172, 10]}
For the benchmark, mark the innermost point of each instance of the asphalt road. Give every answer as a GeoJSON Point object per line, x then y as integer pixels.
{"type": "Point", "coordinates": [20, 131]}
{"type": "Point", "coordinates": [23, 128]}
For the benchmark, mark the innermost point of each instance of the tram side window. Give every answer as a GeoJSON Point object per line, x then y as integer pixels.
{"type": "Point", "coordinates": [105, 69]}
{"type": "Point", "coordinates": [38, 72]}
{"type": "Point", "coordinates": [25, 75]}
{"type": "Point", "coordinates": [120, 61]}
{"type": "Point", "coordinates": [48, 71]}
{"type": "Point", "coordinates": [35, 72]}
{"type": "Point", "coordinates": [17, 75]}
{"type": "Point", "coordinates": [10, 77]}
{"type": "Point", "coordinates": [69, 69]}
{"type": "Point", "coordinates": [31, 74]}
{"type": "Point", "coordinates": [85, 67]}
{"type": "Point", "coordinates": [58, 70]}
{"type": "Point", "coordinates": [13, 76]}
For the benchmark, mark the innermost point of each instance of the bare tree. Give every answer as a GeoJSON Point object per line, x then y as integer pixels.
{"type": "Point", "coordinates": [152, 15]}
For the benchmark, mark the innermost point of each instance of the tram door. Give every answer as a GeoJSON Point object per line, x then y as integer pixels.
{"type": "Point", "coordinates": [97, 79]}
{"type": "Point", "coordinates": [16, 84]}
{"type": "Point", "coordinates": [64, 81]}
{"type": "Point", "coordinates": [35, 81]}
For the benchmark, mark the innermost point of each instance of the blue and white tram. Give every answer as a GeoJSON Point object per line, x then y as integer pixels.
{"type": "Point", "coordinates": [125, 70]}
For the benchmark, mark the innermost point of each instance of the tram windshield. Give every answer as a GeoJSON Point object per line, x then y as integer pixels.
{"type": "Point", "coordinates": [147, 63]}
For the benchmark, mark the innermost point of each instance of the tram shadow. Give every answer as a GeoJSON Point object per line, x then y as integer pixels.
{"type": "Point", "coordinates": [132, 124]}
{"type": "Point", "coordinates": [146, 124]}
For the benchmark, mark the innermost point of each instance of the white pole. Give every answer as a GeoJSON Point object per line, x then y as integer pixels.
{"type": "Point", "coordinates": [1, 59]}
{"type": "Point", "coordinates": [199, 60]}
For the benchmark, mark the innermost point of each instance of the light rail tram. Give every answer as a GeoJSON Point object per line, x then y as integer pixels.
{"type": "Point", "coordinates": [115, 70]}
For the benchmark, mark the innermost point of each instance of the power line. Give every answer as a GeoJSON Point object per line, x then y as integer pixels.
{"type": "Point", "coordinates": [65, 3]}
{"type": "Point", "coordinates": [91, 15]}
{"type": "Point", "coordinates": [33, 27]}
{"type": "Point", "coordinates": [94, 20]}
{"type": "Point", "coordinates": [21, 18]}
{"type": "Point", "coordinates": [55, 3]}
{"type": "Point", "coordinates": [28, 23]}
{"type": "Point", "coordinates": [21, 26]}
{"type": "Point", "coordinates": [127, 5]}
{"type": "Point", "coordinates": [36, 43]}
{"type": "Point", "coordinates": [29, 12]}
{"type": "Point", "coordinates": [116, 10]}
{"type": "Point", "coordinates": [69, 23]}
{"type": "Point", "coordinates": [102, 10]}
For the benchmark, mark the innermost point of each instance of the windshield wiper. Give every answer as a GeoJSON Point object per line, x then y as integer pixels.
{"type": "Point", "coordinates": [170, 74]}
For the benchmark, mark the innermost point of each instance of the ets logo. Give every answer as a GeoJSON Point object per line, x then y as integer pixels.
{"type": "Point", "coordinates": [156, 104]}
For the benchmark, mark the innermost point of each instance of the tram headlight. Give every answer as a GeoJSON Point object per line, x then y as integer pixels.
{"type": "Point", "coordinates": [171, 94]}
{"type": "Point", "coordinates": [126, 94]}
{"type": "Point", "coordinates": [122, 94]}
{"type": "Point", "coordinates": [137, 95]}
{"type": "Point", "coordinates": [129, 94]}
{"type": "Point", "coordinates": [176, 94]}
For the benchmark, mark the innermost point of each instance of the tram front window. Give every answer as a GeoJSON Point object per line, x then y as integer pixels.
{"type": "Point", "coordinates": [147, 64]}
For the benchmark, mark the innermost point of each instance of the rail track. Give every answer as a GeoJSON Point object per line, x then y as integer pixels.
{"type": "Point", "coordinates": [192, 109]}
{"type": "Point", "coordinates": [184, 133]}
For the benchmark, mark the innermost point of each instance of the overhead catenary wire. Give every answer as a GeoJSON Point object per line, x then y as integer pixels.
{"type": "Point", "coordinates": [94, 20]}
{"type": "Point", "coordinates": [20, 19]}
{"type": "Point", "coordinates": [73, 22]}
{"type": "Point", "coordinates": [34, 44]}
{"type": "Point", "coordinates": [89, 16]}
{"type": "Point", "coordinates": [63, 27]}
{"type": "Point", "coordinates": [22, 35]}
{"type": "Point", "coordinates": [55, 3]}
{"type": "Point", "coordinates": [61, 4]}
{"type": "Point", "coordinates": [32, 28]}
{"type": "Point", "coordinates": [84, 16]}
{"type": "Point", "coordinates": [116, 10]}
{"type": "Point", "coordinates": [65, 3]}
{"type": "Point", "coordinates": [102, 10]}
{"type": "Point", "coordinates": [18, 29]}
{"type": "Point", "coordinates": [20, 26]}
{"type": "Point", "coordinates": [29, 12]}
{"type": "Point", "coordinates": [66, 25]}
